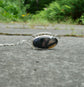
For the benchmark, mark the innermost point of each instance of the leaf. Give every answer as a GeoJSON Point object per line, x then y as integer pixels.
{"type": "Point", "coordinates": [67, 6]}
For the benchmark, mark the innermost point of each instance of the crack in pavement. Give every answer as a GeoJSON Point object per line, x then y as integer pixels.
{"type": "Point", "coordinates": [65, 35]}
{"type": "Point", "coordinates": [9, 34]}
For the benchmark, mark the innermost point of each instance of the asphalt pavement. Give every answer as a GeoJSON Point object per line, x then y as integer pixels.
{"type": "Point", "coordinates": [23, 66]}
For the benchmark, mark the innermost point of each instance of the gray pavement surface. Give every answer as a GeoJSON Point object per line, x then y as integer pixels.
{"type": "Point", "coordinates": [22, 66]}
{"type": "Point", "coordinates": [60, 29]}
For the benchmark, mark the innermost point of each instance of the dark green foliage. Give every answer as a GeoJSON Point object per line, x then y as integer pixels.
{"type": "Point", "coordinates": [78, 8]}
{"type": "Point", "coordinates": [81, 19]}
{"type": "Point", "coordinates": [61, 10]}
{"type": "Point", "coordinates": [51, 10]}
{"type": "Point", "coordinates": [36, 5]}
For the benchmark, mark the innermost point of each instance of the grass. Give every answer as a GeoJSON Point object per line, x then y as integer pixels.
{"type": "Point", "coordinates": [38, 22]}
